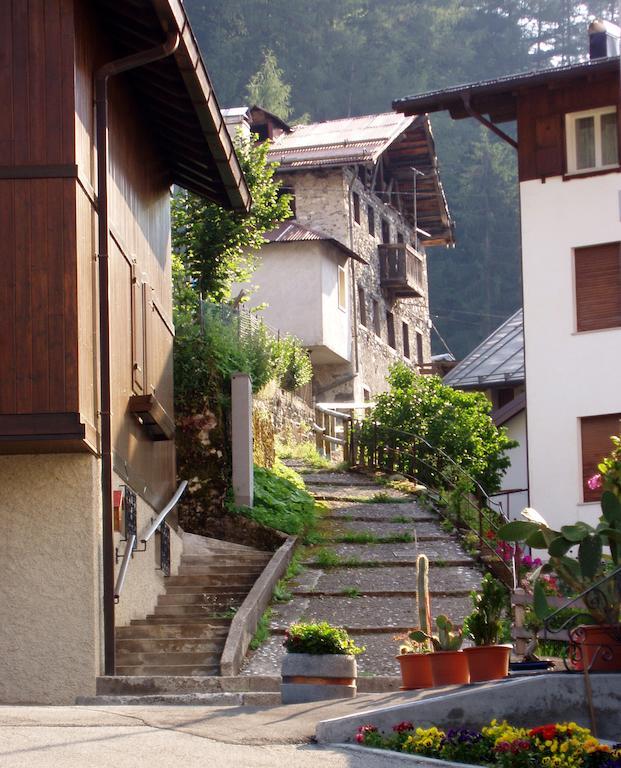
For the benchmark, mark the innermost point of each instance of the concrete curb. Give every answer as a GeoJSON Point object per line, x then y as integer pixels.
{"type": "Point", "coordinates": [423, 762]}
{"type": "Point", "coordinates": [247, 617]}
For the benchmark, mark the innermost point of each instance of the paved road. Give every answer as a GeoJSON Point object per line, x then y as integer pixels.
{"type": "Point", "coordinates": [157, 737]}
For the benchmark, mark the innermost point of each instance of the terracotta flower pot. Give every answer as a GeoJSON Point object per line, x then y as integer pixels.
{"type": "Point", "coordinates": [449, 668]}
{"type": "Point", "coordinates": [488, 662]}
{"type": "Point", "coordinates": [598, 646]}
{"type": "Point", "coordinates": [415, 671]}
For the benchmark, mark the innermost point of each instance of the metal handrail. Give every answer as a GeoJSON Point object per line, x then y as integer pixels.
{"type": "Point", "coordinates": [147, 534]}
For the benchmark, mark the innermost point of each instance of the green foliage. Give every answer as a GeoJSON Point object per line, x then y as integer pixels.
{"type": "Point", "coordinates": [445, 640]}
{"type": "Point", "coordinates": [281, 593]}
{"type": "Point", "coordinates": [484, 624]}
{"type": "Point", "coordinates": [292, 362]}
{"type": "Point", "coordinates": [267, 88]}
{"type": "Point", "coordinates": [262, 631]}
{"type": "Point", "coordinates": [305, 452]}
{"type": "Point", "coordinates": [351, 592]}
{"type": "Point", "coordinates": [320, 638]}
{"type": "Point", "coordinates": [453, 422]}
{"type": "Point", "coordinates": [216, 246]}
{"type": "Point", "coordinates": [281, 502]}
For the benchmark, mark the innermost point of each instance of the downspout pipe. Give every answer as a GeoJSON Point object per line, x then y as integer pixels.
{"type": "Point", "coordinates": [102, 75]}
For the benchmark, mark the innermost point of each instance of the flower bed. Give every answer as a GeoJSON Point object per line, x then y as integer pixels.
{"type": "Point", "coordinates": [562, 745]}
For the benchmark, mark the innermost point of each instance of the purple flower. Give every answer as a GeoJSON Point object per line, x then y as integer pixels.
{"type": "Point", "coordinates": [595, 482]}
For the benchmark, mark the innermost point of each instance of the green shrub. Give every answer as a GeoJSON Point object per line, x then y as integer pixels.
{"type": "Point", "coordinates": [292, 363]}
{"type": "Point", "coordinates": [454, 423]}
{"type": "Point", "coordinates": [320, 638]}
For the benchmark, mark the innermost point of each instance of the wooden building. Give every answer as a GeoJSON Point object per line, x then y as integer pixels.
{"type": "Point", "coordinates": [105, 106]}
{"type": "Point", "coordinates": [568, 141]}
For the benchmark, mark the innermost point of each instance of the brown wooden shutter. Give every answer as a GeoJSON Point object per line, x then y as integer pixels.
{"type": "Point", "coordinates": [549, 146]}
{"type": "Point", "coordinates": [596, 432]}
{"type": "Point", "coordinates": [598, 287]}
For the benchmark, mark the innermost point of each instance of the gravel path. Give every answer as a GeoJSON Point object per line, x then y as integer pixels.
{"type": "Point", "coordinates": [376, 602]}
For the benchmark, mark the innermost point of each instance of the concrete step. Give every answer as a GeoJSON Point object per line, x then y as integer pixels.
{"type": "Point", "coordinates": [202, 598]}
{"type": "Point", "coordinates": [191, 589]}
{"type": "Point", "coordinates": [222, 558]}
{"type": "Point", "coordinates": [199, 618]}
{"type": "Point", "coordinates": [172, 631]}
{"type": "Point", "coordinates": [174, 611]}
{"type": "Point", "coordinates": [160, 659]}
{"type": "Point", "coordinates": [220, 570]}
{"type": "Point", "coordinates": [211, 580]}
{"type": "Point", "coordinates": [125, 646]}
{"type": "Point", "coordinates": [251, 698]}
{"type": "Point", "coordinates": [184, 670]}
{"type": "Point", "coordinates": [119, 685]}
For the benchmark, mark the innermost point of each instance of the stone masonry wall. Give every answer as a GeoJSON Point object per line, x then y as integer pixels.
{"type": "Point", "coordinates": [323, 199]}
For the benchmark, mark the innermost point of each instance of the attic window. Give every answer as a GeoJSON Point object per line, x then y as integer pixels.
{"type": "Point", "coordinates": [592, 140]}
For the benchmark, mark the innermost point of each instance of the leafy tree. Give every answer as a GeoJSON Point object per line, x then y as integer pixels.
{"type": "Point", "coordinates": [455, 422]}
{"type": "Point", "coordinates": [268, 89]}
{"type": "Point", "coordinates": [218, 247]}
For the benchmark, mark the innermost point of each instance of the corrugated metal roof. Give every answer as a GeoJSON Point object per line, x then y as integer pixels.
{"type": "Point", "coordinates": [497, 360]}
{"type": "Point", "coordinates": [334, 142]}
{"type": "Point", "coordinates": [292, 232]}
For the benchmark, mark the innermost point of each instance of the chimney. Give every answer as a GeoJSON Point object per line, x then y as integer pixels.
{"type": "Point", "coordinates": [603, 39]}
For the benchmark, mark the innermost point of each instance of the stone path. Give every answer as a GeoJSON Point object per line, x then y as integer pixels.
{"type": "Point", "coordinates": [370, 588]}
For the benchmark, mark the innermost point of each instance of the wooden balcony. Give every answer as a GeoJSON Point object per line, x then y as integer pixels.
{"type": "Point", "coordinates": [401, 270]}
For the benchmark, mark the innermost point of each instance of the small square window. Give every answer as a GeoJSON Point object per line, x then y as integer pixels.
{"type": "Point", "coordinates": [598, 287]}
{"type": "Point", "coordinates": [592, 140]}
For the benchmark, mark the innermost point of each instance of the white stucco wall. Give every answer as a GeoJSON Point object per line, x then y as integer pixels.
{"type": "Point", "coordinates": [144, 582]}
{"type": "Point", "coordinates": [298, 283]}
{"type": "Point", "coordinates": [50, 593]}
{"type": "Point", "coordinates": [568, 375]}
{"type": "Point", "coordinates": [516, 476]}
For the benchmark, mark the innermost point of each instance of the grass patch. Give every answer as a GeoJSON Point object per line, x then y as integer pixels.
{"type": "Point", "coordinates": [556, 648]}
{"type": "Point", "coordinates": [351, 592]}
{"type": "Point", "coordinates": [295, 567]}
{"type": "Point", "coordinates": [383, 498]}
{"type": "Point", "coordinates": [305, 452]}
{"type": "Point", "coordinates": [263, 630]}
{"type": "Point", "coordinates": [400, 519]}
{"type": "Point", "coordinates": [281, 593]}
{"type": "Point", "coordinates": [370, 538]}
{"type": "Point", "coordinates": [326, 558]}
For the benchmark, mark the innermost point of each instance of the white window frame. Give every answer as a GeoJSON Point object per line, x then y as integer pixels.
{"type": "Point", "coordinates": [570, 133]}
{"type": "Point", "coordinates": [341, 288]}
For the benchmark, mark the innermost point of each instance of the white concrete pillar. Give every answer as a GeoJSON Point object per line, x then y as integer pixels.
{"type": "Point", "coordinates": [243, 469]}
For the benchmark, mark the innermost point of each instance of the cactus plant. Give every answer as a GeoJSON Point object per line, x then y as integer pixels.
{"type": "Point", "coordinates": [445, 640]}
{"type": "Point", "coordinates": [422, 597]}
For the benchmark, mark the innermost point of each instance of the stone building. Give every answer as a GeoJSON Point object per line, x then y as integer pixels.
{"type": "Point", "coordinates": [348, 273]}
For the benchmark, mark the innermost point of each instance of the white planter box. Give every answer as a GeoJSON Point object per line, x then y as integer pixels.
{"type": "Point", "coordinates": [314, 677]}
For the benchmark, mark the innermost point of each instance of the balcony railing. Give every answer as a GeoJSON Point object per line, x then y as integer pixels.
{"type": "Point", "coordinates": [401, 270]}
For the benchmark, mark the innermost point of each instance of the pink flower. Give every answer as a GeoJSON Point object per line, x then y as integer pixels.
{"type": "Point", "coordinates": [595, 482]}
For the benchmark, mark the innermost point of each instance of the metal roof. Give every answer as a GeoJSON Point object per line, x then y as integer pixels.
{"type": "Point", "coordinates": [498, 360]}
{"type": "Point", "coordinates": [498, 95]}
{"type": "Point", "coordinates": [402, 142]}
{"type": "Point", "coordinates": [177, 99]}
{"type": "Point", "coordinates": [292, 232]}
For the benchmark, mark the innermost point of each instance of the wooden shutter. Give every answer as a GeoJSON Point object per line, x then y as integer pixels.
{"type": "Point", "coordinates": [596, 432]}
{"type": "Point", "coordinates": [598, 287]}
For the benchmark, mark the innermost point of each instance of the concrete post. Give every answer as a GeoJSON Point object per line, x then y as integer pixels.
{"type": "Point", "coordinates": [243, 469]}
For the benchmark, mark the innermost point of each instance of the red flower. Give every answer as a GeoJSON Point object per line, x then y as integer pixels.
{"type": "Point", "coordinates": [545, 732]}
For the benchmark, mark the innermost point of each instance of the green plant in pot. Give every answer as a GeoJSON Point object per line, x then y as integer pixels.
{"type": "Point", "coordinates": [320, 663]}
{"type": "Point", "coordinates": [413, 655]}
{"type": "Point", "coordinates": [449, 665]}
{"type": "Point", "coordinates": [587, 561]}
{"type": "Point", "coordinates": [487, 659]}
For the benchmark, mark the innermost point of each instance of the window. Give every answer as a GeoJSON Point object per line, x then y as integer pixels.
{"type": "Point", "coordinates": [385, 231]}
{"type": "Point", "coordinates": [406, 340]}
{"type": "Point", "coordinates": [376, 318]}
{"type": "Point", "coordinates": [592, 140]}
{"type": "Point", "coordinates": [342, 289]}
{"type": "Point", "coordinates": [366, 394]}
{"type": "Point", "coordinates": [356, 201]}
{"type": "Point", "coordinates": [362, 306]}
{"type": "Point", "coordinates": [390, 329]}
{"type": "Point", "coordinates": [598, 287]}
{"type": "Point", "coordinates": [371, 219]}
{"type": "Point", "coordinates": [419, 349]}
{"type": "Point", "coordinates": [595, 434]}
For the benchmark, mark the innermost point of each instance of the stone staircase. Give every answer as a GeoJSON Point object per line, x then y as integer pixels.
{"type": "Point", "coordinates": [186, 633]}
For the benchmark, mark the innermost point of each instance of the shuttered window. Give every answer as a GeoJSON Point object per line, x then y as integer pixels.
{"type": "Point", "coordinates": [598, 287]}
{"type": "Point", "coordinates": [595, 433]}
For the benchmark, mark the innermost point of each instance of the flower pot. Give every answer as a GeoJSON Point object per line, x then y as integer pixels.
{"type": "Point", "coordinates": [449, 668]}
{"type": "Point", "coordinates": [415, 671]}
{"type": "Point", "coordinates": [314, 677]}
{"type": "Point", "coordinates": [488, 662]}
{"type": "Point", "coordinates": [598, 646]}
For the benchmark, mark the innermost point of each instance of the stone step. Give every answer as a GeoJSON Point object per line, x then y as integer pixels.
{"type": "Point", "coordinates": [200, 618]}
{"type": "Point", "coordinates": [183, 670]}
{"type": "Point", "coordinates": [217, 558]}
{"type": "Point", "coordinates": [164, 658]}
{"type": "Point", "coordinates": [210, 580]}
{"type": "Point", "coordinates": [251, 699]}
{"type": "Point", "coordinates": [174, 611]}
{"type": "Point", "coordinates": [202, 598]}
{"type": "Point", "coordinates": [220, 570]}
{"type": "Point", "coordinates": [129, 646]}
{"type": "Point", "coordinates": [171, 631]}
{"type": "Point", "coordinates": [198, 589]}
{"type": "Point", "coordinates": [119, 685]}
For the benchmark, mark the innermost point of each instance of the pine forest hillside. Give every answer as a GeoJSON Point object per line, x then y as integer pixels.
{"type": "Point", "coordinates": [352, 57]}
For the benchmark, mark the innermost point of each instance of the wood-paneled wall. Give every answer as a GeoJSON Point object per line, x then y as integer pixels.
{"type": "Point", "coordinates": [541, 121]}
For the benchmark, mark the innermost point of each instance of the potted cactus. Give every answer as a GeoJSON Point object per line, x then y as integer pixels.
{"type": "Point", "coordinates": [413, 655]}
{"type": "Point", "coordinates": [447, 664]}
{"type": "Point", "coordinates": [487, 659]}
